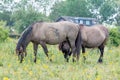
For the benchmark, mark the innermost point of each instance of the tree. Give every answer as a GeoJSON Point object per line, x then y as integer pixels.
{"type": "Point", "coordinates": [117, 18]}
{"type": "Point", "coordinates": [6, 16]}
{"type": "Point", "coordinates": [70, 8]}
{"type": "Point", "coordinates": [103, 10]}
{"type": "Point", "coordinates": [58, 9]}
{"type": "Point", "coordinates": [107, 11]}
{"type": "Point", "coordinates": [24, 17]}
{"type": "Point", "coordinates": [23, 13]}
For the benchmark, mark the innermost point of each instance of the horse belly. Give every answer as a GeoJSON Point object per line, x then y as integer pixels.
{"type": "Point", "coordinates": [94, 43]}
{"type": "Point", "coordinates": [53, 41]}
{"type": "Point", "coordinates": [54, 37]}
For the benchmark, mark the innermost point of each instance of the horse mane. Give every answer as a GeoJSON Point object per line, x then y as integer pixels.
{"type": "Point", "coordinates": [22, 39]}
{"type": "Point", "coordinates": [81, 26]}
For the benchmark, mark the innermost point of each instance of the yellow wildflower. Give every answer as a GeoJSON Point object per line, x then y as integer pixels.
{"type": "Point", "coordinates": [98, 78]}
{"type": "Point", "coordinates": [110, 51]}
{"type": "Point", "coordinates": [30, 72]}
{"type": "Point", "coordinates": [9, 65]}
{"type": "Point", "coordinates": [29, 61]}
{"type": "Point", "coordinates": [52, 57]}
{"type": "Point", "coordinates": [39, 72]}
{"type": "Point", "coordinates": [51, 74]}
{"type": "Point", "coordinates": [88, 76]}
{"type": "Point", "coordinates": [38, 61]}
{"type": "Point", "coordinates": [45, 66]}
{"type": "Point", "coordinates": [111, 63]}
{"type": "Point", "coordinates": [6, 78]}
{"type": "Point", "coordinates": [25, 68]}
{"type": "Point", "coordinates": [85, 54]}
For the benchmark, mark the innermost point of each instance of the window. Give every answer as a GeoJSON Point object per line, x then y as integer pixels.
{"type": "Point", "coordinates": [87, 22]}
{"type": "Point", "coordinates": [81, 22]}
{"type": "Point", "coordinates": [76, 21]}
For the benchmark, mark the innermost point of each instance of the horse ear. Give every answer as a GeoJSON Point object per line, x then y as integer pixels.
{"type": "Point", "coordinates": [60, 46]}
{"type": "Point", "coordinates": [81, 25]}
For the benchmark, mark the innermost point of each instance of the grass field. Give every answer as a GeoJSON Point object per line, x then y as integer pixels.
{"type": "Point", "coordinates": [11, 69]}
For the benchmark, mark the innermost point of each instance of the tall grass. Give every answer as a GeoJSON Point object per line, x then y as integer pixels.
{"type": "Point", "coordinates": [11, 69]}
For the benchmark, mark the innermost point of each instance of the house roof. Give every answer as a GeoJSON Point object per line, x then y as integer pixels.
{"type": "Point", "coordinates": [69, 18]}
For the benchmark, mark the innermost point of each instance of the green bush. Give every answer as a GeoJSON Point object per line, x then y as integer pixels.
{"type": "Point", "coordinates": [4, 33]}
{"type": "Point", "coordinates": [115, 37]}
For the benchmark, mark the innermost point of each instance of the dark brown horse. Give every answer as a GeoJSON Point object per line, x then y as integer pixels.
{"type": "Point", "coordinates": [49, 33]}
{"type": "Point", "coordinates": [94, 36]}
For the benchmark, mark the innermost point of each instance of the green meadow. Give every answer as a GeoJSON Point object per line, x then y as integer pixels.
{"type": "Point", "coordinates": [58, 69]}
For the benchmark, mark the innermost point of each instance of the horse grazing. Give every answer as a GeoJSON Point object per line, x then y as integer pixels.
{"type": "Point", "coordinates": [49, 33]}
{"type": "Point", "coordinates": [65, 48]}
{"type": "Point", "coordinates": [92, 37]}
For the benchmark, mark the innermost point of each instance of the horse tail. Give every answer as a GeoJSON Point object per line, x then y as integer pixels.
{"type": "Point", "coordinates": [106, 32]}
{"type": "Point", "coordinates": [106, 35]}
{"type": "Point", "coordinates": [78, 42]}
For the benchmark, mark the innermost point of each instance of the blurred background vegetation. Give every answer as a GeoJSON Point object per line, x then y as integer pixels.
{"type": "Point", "coordinates": [16, 15]}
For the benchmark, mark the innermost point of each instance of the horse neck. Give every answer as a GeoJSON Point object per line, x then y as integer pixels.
{"type": "Point", "coordinates": [25, 38]}
{"type": "Point", "coordinates": [23, 44]}
{"type": "Point", "coordinates": [27, 41]}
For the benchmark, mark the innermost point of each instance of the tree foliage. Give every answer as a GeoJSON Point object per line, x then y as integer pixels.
{"type": "Point", "coordinates": [106, 11]}
{"type": "Point", "coordinates": [6, 16]}
{"type": "Point", "coordinates": [115, 37]}
{"type": "Point", "coordinates": [23, 13]}
{"type": "Point", "coordinates": [3, 31]}
{"type": "Point", "coordinates": [103, 10]}
{"type": "Point", "coordinates": [70, 8]}
{"type": "Point", "coordinates": [23, 18]}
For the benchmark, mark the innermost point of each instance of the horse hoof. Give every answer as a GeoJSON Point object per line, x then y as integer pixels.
{"type": "Point", "coordinates": [34, 61]}
{"type": "Point", "coordinates": [50, 60]}
{"type": "Point", "coordinates": [100, 61]}
{"type": "Point", "coordinates": [67, 60]}
{"type": "Point", "coordinates": [74, 60]}
{"type": "Point", "coordinates": [20, 61]}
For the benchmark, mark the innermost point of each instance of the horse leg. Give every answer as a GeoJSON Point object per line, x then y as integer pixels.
{"type": "Point", "coordinates": [25, 53]}
{"type": "Point", "coordinates": [83, 52]}
{"type": "Point", "coordinates": [101, 48]}
{"type": "Point", "coordinates": [45, 49]}
{"type": "Point", "coordinates": [66, 56]}
{"type": "Point", "coordinates": [22, 56]}
{"type": "Point", "coordinates": [35, 47]}
{"type": "Point", "coordinates": [73, 49]}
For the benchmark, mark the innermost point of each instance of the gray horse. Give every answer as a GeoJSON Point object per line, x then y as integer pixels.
{"type": "Point", "coordinates": [49, 33]}
{"type": "Point", "coordinates": [92, 37]}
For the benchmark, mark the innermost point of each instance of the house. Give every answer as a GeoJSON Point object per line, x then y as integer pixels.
{"type": "Point", "coordinates": [78, 20]}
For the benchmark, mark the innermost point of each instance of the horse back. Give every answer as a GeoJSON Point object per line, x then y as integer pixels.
{"type": "Point", "coordinates": [94, 36]}
{"type": "Point", "coordinates": [55, 32]}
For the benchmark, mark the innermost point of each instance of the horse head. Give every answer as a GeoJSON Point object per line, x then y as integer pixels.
{"type": "Point", "coordinates": [65, 48]}
{"type": "Point", "coordinates": [20, 52]}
